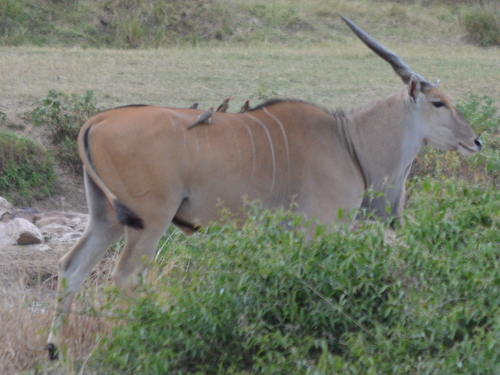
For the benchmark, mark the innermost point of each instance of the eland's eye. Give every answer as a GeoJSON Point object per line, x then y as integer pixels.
{"type": "Point", "coordinates": [438, 104]}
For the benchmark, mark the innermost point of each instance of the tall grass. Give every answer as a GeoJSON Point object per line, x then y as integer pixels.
{"type": "Point", "coordinates": [482, 23]}
{"type": "Point", "coordinates": [27, 286]}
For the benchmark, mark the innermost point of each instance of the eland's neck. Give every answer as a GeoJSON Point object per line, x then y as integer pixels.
{"type": "Point", "coordinates": [386, 137]}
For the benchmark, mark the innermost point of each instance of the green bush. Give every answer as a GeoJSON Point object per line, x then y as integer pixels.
{"type": "Point", "coordinates": [482, 24]}
{"type": "Point", "coordinates": [64, 115]}
{"type": "Point", "coordinates": [481, 114]}
{"type": "Point", "coordinates": [260, 300]}
{"type": "Point", "coordinates": [26, 169]}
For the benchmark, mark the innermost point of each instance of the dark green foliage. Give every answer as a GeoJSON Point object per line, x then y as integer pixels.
{"type": "Point", "coordinates": [26, 169]}
{"type": "Point", "coordinates": [64, 115]}
{"type": "Point", "coordinates": [260, 301]}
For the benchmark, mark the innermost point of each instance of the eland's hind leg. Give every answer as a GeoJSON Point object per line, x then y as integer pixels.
{"type": "Point", "coordinates": [102, 230]}
{"type": "Point", "coordinates": [140, 247]}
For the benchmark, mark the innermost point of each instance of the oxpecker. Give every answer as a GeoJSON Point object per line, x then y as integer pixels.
{"type": "Point", "coordinates": [224, 106]}
{"type": "Point", "coordinates": [204, 117]}
{"type": "Point", "coordinates": [245, 107]}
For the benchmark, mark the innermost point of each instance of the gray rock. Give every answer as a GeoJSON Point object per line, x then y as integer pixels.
{"type": "Point", "coordinates": [21, 232]}
{"type": "Point", "coordinates": [6, 210]}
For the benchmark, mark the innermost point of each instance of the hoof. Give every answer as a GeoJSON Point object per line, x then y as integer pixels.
{"type": "Point", "coordinates": [53, 352]}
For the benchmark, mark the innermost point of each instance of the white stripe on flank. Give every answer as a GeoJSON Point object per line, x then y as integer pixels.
{"type": "Point", "coordinates": [183, 135]}
{"type": "Point", "coordinates": [254, 155]}
{"type": "Point", "coordinates": [237, 146]}
{"type": "Point", "coordinates": [270, 144]}
{"type": "Point", "coordinates": [286, 141]}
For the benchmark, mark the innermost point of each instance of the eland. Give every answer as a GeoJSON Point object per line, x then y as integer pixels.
{"type": "Point", "coordinates": [143, 169]}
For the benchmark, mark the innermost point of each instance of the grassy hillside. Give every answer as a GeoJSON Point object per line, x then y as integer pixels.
{"type": "Point", "coordinates": [156, 23]}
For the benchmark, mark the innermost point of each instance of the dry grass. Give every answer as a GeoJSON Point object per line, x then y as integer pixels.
{"type": "Point", "coordinates": [337, 74]}
{"type": "Point", "coordinates": [27, 292]}
{"type": "Point", "coordinates": [24, 322]}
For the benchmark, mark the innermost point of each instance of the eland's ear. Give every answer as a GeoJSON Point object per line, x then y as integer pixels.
{"type": "Point", "coordinates": [414, 88]}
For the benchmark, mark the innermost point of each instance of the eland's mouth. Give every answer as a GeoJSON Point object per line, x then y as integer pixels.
{"type": "Point", "coordinates": [468, 150]}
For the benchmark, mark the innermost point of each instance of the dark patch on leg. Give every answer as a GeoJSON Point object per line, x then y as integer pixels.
{"type": "Point", "coordinates": [53, 352]}
{"type": "Point", "coordinates": [128, 217]}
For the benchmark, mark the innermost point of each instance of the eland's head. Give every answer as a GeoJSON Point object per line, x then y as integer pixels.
{"type": "Point", "coordinates": [441, 125]}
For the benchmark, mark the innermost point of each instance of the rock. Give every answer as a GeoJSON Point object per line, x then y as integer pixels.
{"type": "Point", "coordinates": [21, 232]}
{"type": "Point", "coordinates": [6, 235]}
{"type": "Point", "coordinates": [16, 226]}
{"type": "Point", "coordinates": [70, 237]}
{"type": "Point", "coordinates": [27, 213]}
{"type": "Point", "coordinates": [6, 210]}
{"type": "Point", "coordinates": [43, 248]}
{"type": "Point", "coordinates": [53, 220]}
{"type": "Point", "coordinates": [62, 226]}
{"type": "Point", "coordinates": [54, 230]}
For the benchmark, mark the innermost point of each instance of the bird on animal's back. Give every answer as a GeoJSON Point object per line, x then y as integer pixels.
{"type": "Point", "coordinates": [224, 106]}
{"type": "Point", "coordinates": [204, 117]}
{"type": "Point", "coordinates": [245, 107]}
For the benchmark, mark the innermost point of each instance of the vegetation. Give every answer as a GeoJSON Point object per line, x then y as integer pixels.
{"type": "Point", "coordinates": [26, 169]}
{"type": "Point", "coordinates": [64, 115]}
{"type": "Point", "coordinates": [482, 23]}
{"type": "Point", "coordinates": [260, 300]}
{"type": "Point", "coordinates": [155, 23]}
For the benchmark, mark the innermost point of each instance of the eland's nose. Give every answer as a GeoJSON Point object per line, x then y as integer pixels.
{"type": "Point", "coordinates": [478, 143]}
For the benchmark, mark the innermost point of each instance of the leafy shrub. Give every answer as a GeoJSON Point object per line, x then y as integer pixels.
{"type": "Point", "coordinates": [481, 113]}
{"type": "Point", "coordinates": [482, 24]}
{"type": "Point", "coordinates": [64, 115]}
{"type": "Point", "coordinates": [26, 168]}
{"type": "Point", "coordinates": [257, 299]}
{"type": "Point", "coordinates": [261, 300]}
